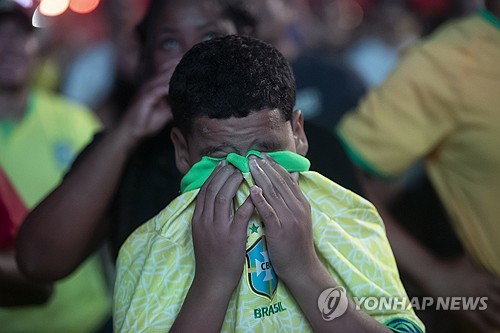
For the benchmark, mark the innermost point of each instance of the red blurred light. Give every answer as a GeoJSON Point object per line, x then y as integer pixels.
{"type": "Point", "coordinates": [83, 6]}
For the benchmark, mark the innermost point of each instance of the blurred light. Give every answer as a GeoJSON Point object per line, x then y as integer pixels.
{"type": "Point", "coordinates": [53, 7]}
{"type": "Point", "coordinates": [83, 6]}
{"type": "Point", "coordinates": [25, 3]}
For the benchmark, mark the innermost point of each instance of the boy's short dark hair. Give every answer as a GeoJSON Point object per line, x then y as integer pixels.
{"type": "Point", "coordinates": [230, 76]}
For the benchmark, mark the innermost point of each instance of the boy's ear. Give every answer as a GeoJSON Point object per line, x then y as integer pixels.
{"type": "Point", "coordinates": [299, 135]}
{"type": "Point", "coordinates": [181, 150]}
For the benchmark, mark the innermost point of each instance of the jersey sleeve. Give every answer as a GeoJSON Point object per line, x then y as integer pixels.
{"type": "Point", "coordinates": [408, 116]}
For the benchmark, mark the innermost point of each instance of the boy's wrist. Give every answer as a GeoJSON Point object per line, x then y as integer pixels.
{"type": "Point", "coordinates": [314, 274]}
{"type": "Point", "coordinates": [211, 289]}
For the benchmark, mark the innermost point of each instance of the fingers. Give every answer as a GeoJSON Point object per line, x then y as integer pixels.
{"type": "Point", "coordinates": [159, 81]}
{"type": "Point", "coordinates": [200, 200]}
{"type": "Point", "coordinates": [164, 73]}
{"type": "Point", "coordinates": [269, 191]}
{"type": "Point", "coordinates": [158, 86]}
{"type": "Point", "coordinates": [266, 212]}
{"type": "Point", "coordinates": [290, 179]}
{"type": "Point", "coordinates": [242, 216]}
{"type": "Point", "coordinates": [213, 192]}
{"type": "Point", "coordinates": [217, 198]}
{"type": "Point", "coordinates": [155, 91]}
{"type": "Point", "coordinates": [169, 65]}
{"type": "Point", "coordinates": [225, 196]}
{"type": "Point", "coordinates": [281, 184]}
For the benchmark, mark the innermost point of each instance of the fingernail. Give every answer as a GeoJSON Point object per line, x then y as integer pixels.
{"type": "Point", "coordinates": [268, 158]}
{"type": "Point", "coordinates": [255, 189]}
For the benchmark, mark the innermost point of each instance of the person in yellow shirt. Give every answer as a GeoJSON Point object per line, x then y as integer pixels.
{"type": "Point", "coordinates": [441, 106]}
{"type": "Point", "coordinates": [40, 134]}
{"type": "Point", "coordinates": [247, 246]}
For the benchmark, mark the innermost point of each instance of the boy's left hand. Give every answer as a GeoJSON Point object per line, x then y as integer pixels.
{"type": "Point", "coordinates": [286, 214]}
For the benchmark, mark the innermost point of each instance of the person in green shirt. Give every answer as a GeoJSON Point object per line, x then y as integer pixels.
{"type": "Point", "coordinates": [40, 133]}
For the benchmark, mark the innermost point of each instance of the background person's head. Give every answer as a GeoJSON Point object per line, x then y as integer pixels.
{"type": "Point", "coordinates": [170, 28]}
{"type": "Point", "coordinates": [18, 46]}
{"type": "Point", "coordinates": [233, 94]}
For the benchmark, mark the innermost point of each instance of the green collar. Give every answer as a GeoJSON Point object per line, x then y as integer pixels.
{"type": "Point", "coordinates": [200, 172]}
{"type": "Point", "coordinates": [488, 16]}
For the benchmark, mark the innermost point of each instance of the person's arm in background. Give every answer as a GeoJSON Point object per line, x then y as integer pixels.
{"type": "Point", "coordinates": [16, 289]}
{"type": "Point", "coordinates": [66, 227]}
{"type": "Point", "coordinates": [436, 276]}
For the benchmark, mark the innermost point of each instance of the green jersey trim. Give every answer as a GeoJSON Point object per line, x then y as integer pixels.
{"type": "Point", "coordinates": [359, 160]}
{"type": "Point", "coordinates": [199, 172]}
{"type": "Point", "coordinates": [490, 17]}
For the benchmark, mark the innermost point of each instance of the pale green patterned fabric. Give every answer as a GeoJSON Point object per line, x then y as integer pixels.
{"type": "Point", "coordinates": [155, 267]}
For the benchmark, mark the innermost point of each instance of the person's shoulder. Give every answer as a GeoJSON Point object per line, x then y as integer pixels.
{"type": "Point", "coordinates": [443, 54]}
{"type": "Point", "coordinates": [57, 108]}
{"type": "Point", "coordinates": [458, 34]}
{"type": "Point", "coordinates": [171, 225]}
{"type": "Point", "coordinates": [58, 105]}
{"type": "Point", "coordinates": [57, 102]}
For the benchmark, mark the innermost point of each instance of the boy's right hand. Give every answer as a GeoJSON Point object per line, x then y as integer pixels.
{"type": "Point", "coordinates": [149, 112]}
{"type": "Point", "coordinates": [219, 238]}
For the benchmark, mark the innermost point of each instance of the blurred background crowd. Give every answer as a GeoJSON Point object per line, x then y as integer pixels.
{"type": "Point", "coordinates": [89, 54]}
{"type": "Point", "coordinates": [364, 37]}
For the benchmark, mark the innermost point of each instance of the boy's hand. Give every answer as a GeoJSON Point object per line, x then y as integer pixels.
{"type": "Point", "coordinates": [219, 238]}
{"type": "Point", "coordinates": [149, 112]}
{"type": "Point", "coordinates": [286, 214]}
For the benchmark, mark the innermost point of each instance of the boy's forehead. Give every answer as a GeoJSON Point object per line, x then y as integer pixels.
{"type": "Point", "coordinates": [262, 130]}
{"type": "Point", "coordinates": [264, 119]}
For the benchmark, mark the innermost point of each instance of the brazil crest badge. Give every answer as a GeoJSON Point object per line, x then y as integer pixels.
{"type": "Point", "coordinates": [261, 276]}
